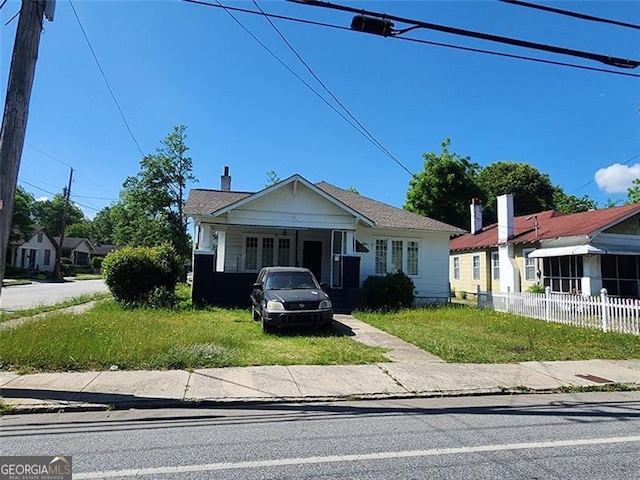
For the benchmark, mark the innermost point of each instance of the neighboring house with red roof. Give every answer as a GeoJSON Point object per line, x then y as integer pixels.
{"type": "Point", "coordinates": [571, 253]}
{"type": "Point", "coordinates": [34, 251]}
{"type": "Point", "coordinates": [341, 236]}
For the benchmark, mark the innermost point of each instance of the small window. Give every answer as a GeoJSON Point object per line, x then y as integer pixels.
{"type": "Point", "coordinates": [412, 258]}
{"type": "Point", "coordinates": [40, 236]}
{"type": "Point", "coordinates": [456, 268]}
{"type": "Point", "coordinates": [381, 257]}
{"type": "Point", "coordinates": [495, 265]}
{"type": "Point", "coordinates": [396, 255]}
{"type": "Point", "coordinates": [529, 266]}
{"type": "Point", "coordinates": [268, 251]}
{"type": "Point", "coordinates": [47, 257]}
{"type": "Point", "coordinates": [475, 267]}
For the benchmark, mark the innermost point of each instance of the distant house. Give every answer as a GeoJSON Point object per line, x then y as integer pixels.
{"type": "Point", "coordinates": [578, 253]}
{"type": "Point", "coordinates": [102, 249]}
{"type": "Point", "coordinates": [342, 237]}
{"type": "Point", "coordinates": [34, 251]}
{"type": "Point", "coordinates": [78, 250]}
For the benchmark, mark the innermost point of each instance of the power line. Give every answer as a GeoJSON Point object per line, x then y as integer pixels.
{"type": "Point", "coordinates": [324, 86]}
{"type": "Point", "coordinates": [95, 57]}
{"type": "Point", "coordinates": [70, 166]}
{"type": "Point", "coordinates": [606, 59]}
{"type": "Point", "coordinates": [289, 69]}
{"type": "Point", "coordinates": [581, 16]}
{"type": "Point", "coordinates": [58, 193]}
{"type": "Point", "coordinates": [446, 45]}
{"type": "Point", "coordinates": [593, 180]}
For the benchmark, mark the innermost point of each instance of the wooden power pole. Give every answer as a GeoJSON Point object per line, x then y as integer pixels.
{"type": "Point", "coordinates": [63, 225]}
{"type": "Point", "coordinates": [16, 111]}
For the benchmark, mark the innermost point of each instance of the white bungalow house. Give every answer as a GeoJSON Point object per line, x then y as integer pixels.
{"type": "Point", "coordinates": [341, 236]}
{"type": "Point", "coordinates": [34, 251]}
{"type": "Point", "coordinates": [78, 250]}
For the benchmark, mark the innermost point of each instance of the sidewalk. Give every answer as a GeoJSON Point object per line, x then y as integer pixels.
{"type": "Point", "coordinates": [411, 372]}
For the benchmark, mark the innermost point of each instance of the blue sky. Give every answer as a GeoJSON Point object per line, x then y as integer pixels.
{"type": "Point", "coordinates": [170, 62]}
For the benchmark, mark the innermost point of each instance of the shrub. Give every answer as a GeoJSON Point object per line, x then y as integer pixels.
{"type": "Point", "coordinates": [65, 261]}
{"type": "Point", "coordinates": [96, 262]}
{"type": "Point", "coordinates": [391, 292]}
{"type": "Point", "coordinates": [15, 272]}
{"type": "Point", "coordinates": [143, 276]}
{"type": "Point", "coordinates": [463, 295]}
{"type": "Point", "coordinates": [537, 288]}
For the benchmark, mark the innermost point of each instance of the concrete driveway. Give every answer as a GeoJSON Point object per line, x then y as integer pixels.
{"type": "Point", "coordinates": [22, 297]}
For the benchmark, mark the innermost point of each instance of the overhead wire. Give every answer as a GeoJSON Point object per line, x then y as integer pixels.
{"type": "Point", "coordinates": [345, 118]}
{"type": "Point", "coordinates": [335, 98]}
{"type": "Point", "coordinates": [106, 81]}
{"type": "Point", "coordinates": [568, 13]}
{"type": "Point", "coordinates": [593, 180]}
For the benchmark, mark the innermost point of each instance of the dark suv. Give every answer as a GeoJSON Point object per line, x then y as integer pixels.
{"type": "Point", "coordinates": [289, 296]}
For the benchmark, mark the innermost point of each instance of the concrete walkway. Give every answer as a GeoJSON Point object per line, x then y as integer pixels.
{"type": "Point", "coordinates": [411, 372]}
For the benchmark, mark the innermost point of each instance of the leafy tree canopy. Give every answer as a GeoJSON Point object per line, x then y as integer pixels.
{"type": "Point", "coordinates": [570, 203]}
{"type": "Point", "coordinates": [633, 193]}
{"type": "Point", "coordinates": [22, 221]}
{"type": "Point", "coordinates": [48, 214]}
{"type": "Point", "coordinates": [532, 191]}
{"type": "Point", "coordinates": [444, 189]}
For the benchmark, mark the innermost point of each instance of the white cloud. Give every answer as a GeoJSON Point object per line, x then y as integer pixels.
{"type": "Point", "coordinates": [617, 178]}
{"type": "Point", "coordinates": [42, 199]}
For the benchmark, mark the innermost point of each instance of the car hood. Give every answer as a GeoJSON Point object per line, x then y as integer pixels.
{"type": "Point", "coordinates": [301, 295]}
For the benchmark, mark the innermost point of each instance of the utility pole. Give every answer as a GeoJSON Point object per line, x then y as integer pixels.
{"type": "Point", "coordinates": [63, 225]}
{"type": "Point", "coordinates": [16, 111]}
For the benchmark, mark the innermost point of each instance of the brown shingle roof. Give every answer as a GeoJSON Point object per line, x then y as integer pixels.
{"type": "Point", "coordinates": [205, 202]}
{"type": "Point", "coordinates": [551, 224]}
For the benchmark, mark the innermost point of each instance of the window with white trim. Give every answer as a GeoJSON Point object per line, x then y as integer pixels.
{"type": "Point", "coordinates": [495, 265]}
{"type": "Point", "coordinates": [475, 267]}
{"type": "Point", "coordinates": [529, 265]}
{"type": "Point", "coordinates": [266, 251]}
{"type": "Point", "coordinates": [397, 254]}
{"type": "Point", "coordinates": [456, 268]}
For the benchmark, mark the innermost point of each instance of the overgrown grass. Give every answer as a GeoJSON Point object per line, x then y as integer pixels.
{"type": "Point", "coordinates": [4, 316]}
{"type": "Point", "coordinates": [167, 339]}
{"type": "Point", "coordinates": [469, 335]}
{"type": "Point", "coordinates": [88, 276]}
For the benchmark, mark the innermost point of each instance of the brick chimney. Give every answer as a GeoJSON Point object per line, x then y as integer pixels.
{"type": "Point", "coordinates": [476, 216]}
{"type": "Point", "coordinates": [505, 217]}
{"type": "Point", "coordinates": [225, 180]}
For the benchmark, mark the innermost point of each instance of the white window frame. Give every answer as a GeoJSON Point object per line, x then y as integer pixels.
{"type": "Point", "coordinates": [456, 268]}
{"type": "Point", "coordinates": [495, 265]}
{"type": "Point", "coordinates": [405, 254]}
{"type": "Point", "coordinates": [529, 264]}
{"type": "Point", "coordinates": [261, 237]}
{"type": "Point", "coordinates": [475, 275]}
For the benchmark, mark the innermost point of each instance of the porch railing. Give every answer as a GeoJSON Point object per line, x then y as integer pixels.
{"type": "Point", "coordinates": [609, 314]}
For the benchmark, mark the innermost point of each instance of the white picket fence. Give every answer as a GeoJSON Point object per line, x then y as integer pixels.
{"type": "Point", "coordinates": [610, 314]}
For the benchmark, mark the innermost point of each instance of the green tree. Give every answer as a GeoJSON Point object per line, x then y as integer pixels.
{"type": "Point", "coordinates": [532, 191]}
{"type": "Point", "coordinates": [149, 211]}
{"type": "Point", "coordinates": [444, 189]}
{"type": "Point", "coordinates": [633, 193]}
{"type": "Point", "coordinates": [102, 226]}
{"type": "Point", "coordinates": [353, 190]}
{"type": "Point", "coordinates": [48, 214]}
{"type": "Point", "coordinates": [570, 203]}
{"type": "Point", "coordinates": [272, 178]}
{"type": "Point", "coordinates": [80, 229]}
{"type": "Point", "coordinates": [22, 220]}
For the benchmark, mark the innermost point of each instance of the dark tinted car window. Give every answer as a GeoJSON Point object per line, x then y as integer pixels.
{"type": "Point", "coordinates": [290, 280]}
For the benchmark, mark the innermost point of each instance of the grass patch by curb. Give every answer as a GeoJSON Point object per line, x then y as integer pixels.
{"type": "Point", "coordinates": [185, 338]}
{"type": "Point", "coordinates": [79, 300]}
{"type": "Point", "coordinates": [461, 334]}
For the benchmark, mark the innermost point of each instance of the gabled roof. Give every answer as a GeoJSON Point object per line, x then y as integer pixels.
{"type": "Point", "coordinates": [20, 238]}
{"type": "Point", "coordinates": [71, 243]}
{"type": "Point", "coordinates": [551, 224]}
{"type": "Point", "coordinates": [206, 202]}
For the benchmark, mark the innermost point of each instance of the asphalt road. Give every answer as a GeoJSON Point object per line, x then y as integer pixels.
{"type": "Point", "coordinates": [22, 297]}
{"type": "Point", "coordinates": [568, 436]}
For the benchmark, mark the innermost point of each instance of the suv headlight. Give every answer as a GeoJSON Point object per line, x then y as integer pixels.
{"type": "Point", "coordinates": [325, 304]}
{"type": "Point", "coordinates": [274, 305]}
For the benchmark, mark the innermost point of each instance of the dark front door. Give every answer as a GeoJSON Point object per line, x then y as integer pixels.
{"type": "Point", "coordinates": [312, 257]}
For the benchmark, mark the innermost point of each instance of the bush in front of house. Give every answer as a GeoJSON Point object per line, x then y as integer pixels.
{"type": "Point", "coordinates": [143, 276]}
{"type": "Point", "coordinates": [390, 292]}
{"type": "Point", "coordinates": [96, 262]}
{"type": "Point", "coordinates": [67, 267]}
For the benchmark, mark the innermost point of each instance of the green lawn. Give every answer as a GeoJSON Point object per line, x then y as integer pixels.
{"type": "Point", "coordinates": [185, 338]}
{"type": "Point", "coordinates": [467, 335]}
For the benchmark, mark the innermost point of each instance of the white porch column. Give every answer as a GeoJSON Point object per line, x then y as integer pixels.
{"type": "Point", "coordinates": [591, 275]}
{"type": "Point", "coordinates": [351, 243]}
{"type": "Point", "coordinates": [509, 272]}
{"type": "Point", "coordinates": [222, 247]}
{"type": "Point", "coordinates": [206, 237]}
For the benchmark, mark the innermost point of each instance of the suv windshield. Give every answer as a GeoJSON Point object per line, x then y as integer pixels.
{"type": "Point", "coordinates": [290, 281]}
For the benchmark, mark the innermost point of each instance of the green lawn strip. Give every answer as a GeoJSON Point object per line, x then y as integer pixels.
{"type": "Point", "coordinates": [88, 276]}
{"type": "Point", "coordinates": [79, 300]}
{"type": "Point", "coordinates": [461, 334]}
{"type": "Point", "coordinates": [162, 339]}
{"type": "Point", "coordinates": [16, 282]}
